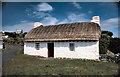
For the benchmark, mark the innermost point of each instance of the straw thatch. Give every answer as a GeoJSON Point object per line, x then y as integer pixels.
{"type": "Point", "coordinates": [71, 31]}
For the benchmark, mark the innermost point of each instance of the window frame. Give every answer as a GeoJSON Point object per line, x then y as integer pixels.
{"type": "Point", "coordinates": [37, 46]}
{"type": "Point", "coordinates": [70, 46]}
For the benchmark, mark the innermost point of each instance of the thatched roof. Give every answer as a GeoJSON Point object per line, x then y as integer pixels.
{"type": "Point", "coordinates": [71, 31]}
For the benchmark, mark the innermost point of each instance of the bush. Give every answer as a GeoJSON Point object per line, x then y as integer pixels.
{"type": "Point", "coordinates": [104, 43]}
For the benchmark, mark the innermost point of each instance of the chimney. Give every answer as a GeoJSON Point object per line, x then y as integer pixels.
{"type": "Point", "coordinates": [96, 19]}
{"type": "Point", "coordinates": [37, 24]}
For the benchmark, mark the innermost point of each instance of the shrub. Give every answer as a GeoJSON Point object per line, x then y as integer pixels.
{"type": "Point", "coordinates": [104, 43]}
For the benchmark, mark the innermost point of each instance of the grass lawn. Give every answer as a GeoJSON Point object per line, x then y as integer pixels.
{"type": "Point", "coordinates": [1, 50]}
{"type": "Point", "coordinates": [28, 65]}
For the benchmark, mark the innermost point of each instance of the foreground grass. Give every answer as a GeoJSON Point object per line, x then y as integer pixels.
{"type": "Point", "coordinates": [28, 65]}
{"type": "Point", "coordinates": [1, 50]}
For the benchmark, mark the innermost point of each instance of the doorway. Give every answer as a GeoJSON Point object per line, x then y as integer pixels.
{"type": "Point", "coordinates": [50, 49]}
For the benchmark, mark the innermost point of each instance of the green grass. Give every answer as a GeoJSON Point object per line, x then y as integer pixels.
{"type": "Point", "coordinates": [1, 50]}
{"type": "Point", "coordinates": [28, 65]}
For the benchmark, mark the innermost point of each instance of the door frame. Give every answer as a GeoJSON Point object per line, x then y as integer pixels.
{"type": "Point", "coordinates": [50, 50]}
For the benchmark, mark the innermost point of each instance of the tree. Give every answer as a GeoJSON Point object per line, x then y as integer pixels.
{"type": "Point", "coordinates": [114, 45]}
{"type": "Point", "coordinates": [104, 43]}
{"type": "Point", "coordinates": [108, 33]}
{"type": "Point", "coordinates": [14, 38]}
{"type": "Point", "coordinates": [107, 42]}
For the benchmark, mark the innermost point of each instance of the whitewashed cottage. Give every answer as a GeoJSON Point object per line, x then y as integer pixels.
{"type": "Point", "coordinates": [72, 40]}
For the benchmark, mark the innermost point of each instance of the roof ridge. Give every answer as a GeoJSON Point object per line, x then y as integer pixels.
{"type": "Point", "coordinates": [64, 24]}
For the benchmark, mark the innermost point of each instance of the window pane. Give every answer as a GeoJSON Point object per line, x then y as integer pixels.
{"type": "Point", "coordinates": [71, 47]}
{"type": "Point", "coordinates": [37, 46]}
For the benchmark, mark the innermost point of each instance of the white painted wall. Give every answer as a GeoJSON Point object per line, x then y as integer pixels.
{"type": "Point", "coordinates": [84, 50]}
{"type": "Point", "coordinates": [29, 48]}
{"type": "Point", "coordinates": [1, 46]}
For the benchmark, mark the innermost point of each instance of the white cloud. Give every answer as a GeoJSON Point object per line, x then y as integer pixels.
{"type": "Point", "coordinates": [27, 26]}
{"type": "Point", "coordinates": [77, 5]}
{"type": "Point", "coordinates": [24, 25]}
{"type": "Point", "coordinates": [39, 11]}
{"type": "Point", "coordinates": [24, 21]}
{"type": "Point", "coordinates": [63, 21]}
{"type": "Point", "coordinates": [49, 21]}
{"type": "Point", "coordinates": [44, 7]}
{"type": "Point", "coordinates": [110, 23]}
{"type": "Point", "coordinates": [75, 18]}
{"type": "Point", "coordinates": [40, 14]}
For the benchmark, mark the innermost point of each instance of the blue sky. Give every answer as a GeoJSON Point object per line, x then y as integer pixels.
{"type": "Point", "coordinates": [22, 15]}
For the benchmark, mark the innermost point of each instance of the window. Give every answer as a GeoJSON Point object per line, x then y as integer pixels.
{"type": "Point", "coordinates": [37, 46]}
{"type": "Point", "coordinates": [71, 46]}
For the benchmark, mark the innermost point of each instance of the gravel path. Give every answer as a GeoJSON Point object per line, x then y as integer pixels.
{"type": "Point", "coordinates": [10, 51]}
